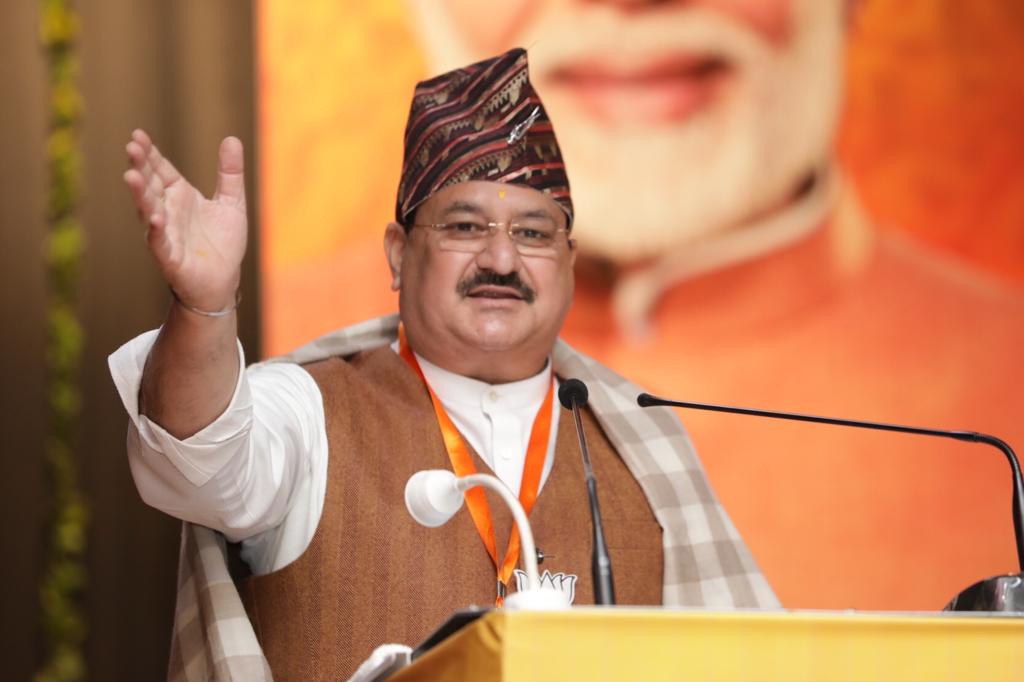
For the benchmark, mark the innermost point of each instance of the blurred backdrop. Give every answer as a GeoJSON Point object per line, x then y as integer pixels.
{"type": "Point", "coordinates": [924, 157]}
{"type": "Point", "coordinates": [184, 71]}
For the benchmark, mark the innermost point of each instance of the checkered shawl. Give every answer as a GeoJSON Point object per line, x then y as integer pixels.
{"type": "Point", "coordinates": [706, 563]}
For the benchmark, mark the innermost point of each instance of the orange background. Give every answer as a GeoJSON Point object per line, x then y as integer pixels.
{"type": "Point", "coordinates": [933, 132]}
{"type": "Point", "coordinates": [931, 138]}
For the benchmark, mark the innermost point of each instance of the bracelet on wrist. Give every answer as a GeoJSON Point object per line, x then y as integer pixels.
{"type": "Point", "coordinates": [207, 313]}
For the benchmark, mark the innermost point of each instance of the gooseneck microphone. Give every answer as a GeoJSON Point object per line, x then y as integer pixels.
{"type": "Point", "coordinates": [573, 395]}
{"type": "Point", "coordinates": [434, 496]}
{"type": "Point", "coordinates": [984, 595]}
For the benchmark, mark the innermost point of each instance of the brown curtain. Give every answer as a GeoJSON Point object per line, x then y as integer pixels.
{"type": "Point", "coordinates": [184, 71]}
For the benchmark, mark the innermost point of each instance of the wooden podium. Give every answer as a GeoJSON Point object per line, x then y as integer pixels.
{"type": "Point", "coordinates": [643, 644]}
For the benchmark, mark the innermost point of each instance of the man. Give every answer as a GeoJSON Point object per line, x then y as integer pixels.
{"type": "Point", "coordinates": [305, 464]}
{"type": "Point", "coordinates": [717, 231]}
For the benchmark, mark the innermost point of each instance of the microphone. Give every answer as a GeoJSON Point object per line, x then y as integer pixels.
{"type": "Point", "coordinates": [573, 395]}
{"type": "Point", "coordinates": [434, 496]}
{"type": "Point", "coordinates": [998, 593]}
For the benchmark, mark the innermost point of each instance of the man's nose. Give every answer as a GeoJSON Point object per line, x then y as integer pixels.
{"type": "Point", "coordinates": [499, 253]}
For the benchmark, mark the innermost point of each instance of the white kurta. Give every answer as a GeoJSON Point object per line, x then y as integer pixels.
{"type": "Point", "coordinates": [258, 473]}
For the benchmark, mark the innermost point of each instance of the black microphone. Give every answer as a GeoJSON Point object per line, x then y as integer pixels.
{"type": "Point", "coordinates": [573, 395]}
{"type": "Point", "coordinates": [999, 593]}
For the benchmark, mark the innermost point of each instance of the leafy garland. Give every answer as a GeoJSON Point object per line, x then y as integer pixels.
{"type": "Point", "coordinates": [64, 577]}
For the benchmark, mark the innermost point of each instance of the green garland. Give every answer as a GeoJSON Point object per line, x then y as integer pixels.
{"type": "Point", "coordinates": [63, 579]}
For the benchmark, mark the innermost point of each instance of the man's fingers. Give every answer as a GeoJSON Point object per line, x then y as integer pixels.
{"type": "Point", "coordinates": [231, 171]}
{"type": "Point", "coordinates": [154, 203]}
{"type": "Point", "coordinates": [136, 184]}
{"type": "Point", "coordinates": [146, 195]}
{"type": "Point", "coordinates": [137, 162]}
{"type": "Point", "coordinates": [142, 137]}
{"type": "Point", "coordinates": [149, 178]}
{"type": "Point", "coordinates": [138, 148]}
{"type": "Point", "coordinates": [155, 188]}
{"type": "Point", "coordinates": [140, 176]}
{"type": "Point", "coordinates": [136, 154]}
{"type": "Point", "coordinates": [157, 162]}
{"type": "Point", "coordinates": [138, 187]}
{"type": "Point", "coordinates": [143, 154]}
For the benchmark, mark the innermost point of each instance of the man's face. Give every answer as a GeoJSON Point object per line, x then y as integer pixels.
{"type": "Point", "coordinates": [677, 120]}
{"type": "Point", "coordinates": [461, 307]}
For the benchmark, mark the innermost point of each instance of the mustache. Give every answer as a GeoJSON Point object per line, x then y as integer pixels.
{"type": "Point", "coordinates": [491, 278]}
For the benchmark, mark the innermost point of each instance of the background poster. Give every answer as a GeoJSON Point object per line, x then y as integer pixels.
{"type": "Point", "coordinates": [898, 302]}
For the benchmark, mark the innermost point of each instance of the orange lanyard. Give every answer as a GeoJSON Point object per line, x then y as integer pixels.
{"type": "Point", "coordinates": [462, 465]}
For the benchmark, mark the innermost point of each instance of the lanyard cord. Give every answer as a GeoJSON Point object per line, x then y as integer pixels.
{"type": "Point", "coordinates": [462, 465]}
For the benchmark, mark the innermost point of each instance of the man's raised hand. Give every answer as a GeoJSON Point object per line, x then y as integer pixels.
{"type": "Point", "coordinates": [198, 243]}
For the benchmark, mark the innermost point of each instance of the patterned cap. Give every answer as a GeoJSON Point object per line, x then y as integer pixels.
{"type": "Point", "coordinates": [481, 122]}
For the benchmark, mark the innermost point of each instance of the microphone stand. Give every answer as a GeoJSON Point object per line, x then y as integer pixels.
{"type": "Point", "coordinates": [999, 593]}
{"type": "Point", "coordinates": [572, 394]}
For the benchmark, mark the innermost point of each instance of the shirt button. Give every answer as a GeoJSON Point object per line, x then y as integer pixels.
{"type": "Point", "coordinates": [493, 396]}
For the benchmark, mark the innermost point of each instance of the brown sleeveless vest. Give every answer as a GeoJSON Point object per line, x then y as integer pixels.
{"type": "Point", "coordinates": [371, 575]}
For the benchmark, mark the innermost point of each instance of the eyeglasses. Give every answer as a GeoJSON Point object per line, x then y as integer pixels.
{"type": "Point", "coordinates": [472, 236]}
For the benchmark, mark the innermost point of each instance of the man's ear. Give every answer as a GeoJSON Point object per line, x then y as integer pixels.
{"type": "Point", "coordinates": [394, 249]}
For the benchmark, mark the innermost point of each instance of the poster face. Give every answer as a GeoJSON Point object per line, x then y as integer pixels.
{"type": "Point", "coordinates": [804, 205]}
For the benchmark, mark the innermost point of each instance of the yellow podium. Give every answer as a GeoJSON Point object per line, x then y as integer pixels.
{"type": "Point", "coordinates": [645, 644]}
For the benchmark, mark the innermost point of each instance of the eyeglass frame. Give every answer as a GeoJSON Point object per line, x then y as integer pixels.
{"type": "Point", "coordinates": [493, 227]}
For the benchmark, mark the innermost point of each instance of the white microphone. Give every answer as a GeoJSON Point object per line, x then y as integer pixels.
{"type": "Point", "coordinates": [435, 495]}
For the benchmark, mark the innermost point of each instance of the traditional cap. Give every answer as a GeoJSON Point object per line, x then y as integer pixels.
{"type": "Point", "coordinates": [481, 122]}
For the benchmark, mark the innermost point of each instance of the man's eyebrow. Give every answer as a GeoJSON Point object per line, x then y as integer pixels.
{"type": "Point", "coordinates": [462, 207]}
{"type": "Point", "coordinates": [537, 213]}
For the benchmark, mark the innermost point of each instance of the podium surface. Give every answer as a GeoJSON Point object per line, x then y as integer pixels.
{"type": "Point", "coordinates": [647, 644]}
